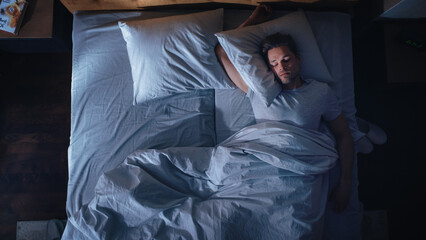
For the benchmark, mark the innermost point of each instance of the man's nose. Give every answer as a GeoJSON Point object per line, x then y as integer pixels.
{"type": "Point", "coordinates": [282, 66]}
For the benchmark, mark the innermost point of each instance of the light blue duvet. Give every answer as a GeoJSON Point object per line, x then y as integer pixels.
{"type": "Point", "coordinates": [267, 181]}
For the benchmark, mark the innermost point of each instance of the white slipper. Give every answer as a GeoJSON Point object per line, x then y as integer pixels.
{"type": "Point", "coordinates": [373, 132]}
{"type": "Point", "coordinates": [364, 145]}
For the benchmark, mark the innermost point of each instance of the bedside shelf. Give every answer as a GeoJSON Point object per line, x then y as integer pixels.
{"type": "Point", "coordinates": [37, 22]}
{"type": "Point", "coordinates": [405, 64]}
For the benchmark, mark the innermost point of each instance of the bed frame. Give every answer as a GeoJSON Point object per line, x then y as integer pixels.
{"type": "Point", "coordinates": [91, 114]}
{"type": "Point", "coordinates": [86, 5]}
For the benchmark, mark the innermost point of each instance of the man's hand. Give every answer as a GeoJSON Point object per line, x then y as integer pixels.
{"type": "Point", "coordinates": [341, 195]}
{"type": "Point", "coordinates": [261, 14]}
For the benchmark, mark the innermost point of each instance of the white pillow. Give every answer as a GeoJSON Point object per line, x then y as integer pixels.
{"type": "Point", "coordinates": [174, 54]}
{"type": "Point", "coordinates": [243, 47]}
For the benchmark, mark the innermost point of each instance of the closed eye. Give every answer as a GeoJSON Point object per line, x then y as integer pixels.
{"type": "Point", "coordinates": [284, 60]}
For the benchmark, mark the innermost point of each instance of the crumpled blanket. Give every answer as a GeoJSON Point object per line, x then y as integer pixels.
{"type": "Point", "coordinates": [267, 181]}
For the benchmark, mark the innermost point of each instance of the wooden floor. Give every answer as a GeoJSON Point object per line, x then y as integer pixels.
{"type": "Point", "coordinates": [34, 136]}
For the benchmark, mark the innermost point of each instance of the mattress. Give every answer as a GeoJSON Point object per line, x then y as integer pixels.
{"type": "Point", "coordinates": [106, 127]}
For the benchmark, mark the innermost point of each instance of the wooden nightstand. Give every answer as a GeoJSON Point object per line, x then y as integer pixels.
{"type": "Point", "coordinates": [47, 28]}
{"type": "Point", "coordinates": [405, 55]}
{"type": "Point", "coordinates": [37, 22]}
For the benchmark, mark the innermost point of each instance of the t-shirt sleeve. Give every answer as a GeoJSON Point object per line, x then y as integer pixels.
{"type": "Point", "coordinates": [332, 106]}
{"type": "Point", "coordinates": [250, 94]}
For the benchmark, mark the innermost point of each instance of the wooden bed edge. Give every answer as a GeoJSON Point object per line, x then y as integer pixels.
{"type": "Point", "coordinates": [92, 5]}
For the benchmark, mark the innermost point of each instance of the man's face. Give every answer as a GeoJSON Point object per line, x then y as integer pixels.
{"type": "Point", "coordinates": [285, 64]}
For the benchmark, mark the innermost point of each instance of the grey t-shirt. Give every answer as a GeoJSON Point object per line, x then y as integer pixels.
{"type": "Point", "coordinates": [304, 106]}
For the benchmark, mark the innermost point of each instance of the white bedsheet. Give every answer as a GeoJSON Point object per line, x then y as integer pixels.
{"type": "Point", "coordinates": [268, 181]}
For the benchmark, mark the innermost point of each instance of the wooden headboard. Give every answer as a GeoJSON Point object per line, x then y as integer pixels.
{"type": "Point", "coordinates": [87, 5]}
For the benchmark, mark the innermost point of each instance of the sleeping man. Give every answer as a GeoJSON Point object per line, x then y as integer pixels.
{"type": "Point", "coordinates": [302, 102]}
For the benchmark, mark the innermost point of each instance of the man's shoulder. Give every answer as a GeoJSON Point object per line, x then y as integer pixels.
{"type": "Point", "coordinates": [317, 88]}
{"type": "Point", "coordinates": [316, 84]}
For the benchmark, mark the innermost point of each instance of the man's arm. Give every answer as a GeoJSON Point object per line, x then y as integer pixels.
{"type": "Point", "coordinates": [261, 14]}
{"type": "Point", "coordinates": [345, 148]}
{"type": "Point", "coordinates": [229, 68]}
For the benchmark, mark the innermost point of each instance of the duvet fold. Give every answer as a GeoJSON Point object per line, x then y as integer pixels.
{"type": "Point", "coordinates": [267, 181]}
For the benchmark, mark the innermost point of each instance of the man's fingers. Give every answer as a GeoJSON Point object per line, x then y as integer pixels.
{"type": "Point", "coordinates": [268, 8]}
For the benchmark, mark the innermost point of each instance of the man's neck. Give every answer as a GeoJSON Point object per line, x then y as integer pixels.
{"type": "Point", "coordinates": [294, 84]}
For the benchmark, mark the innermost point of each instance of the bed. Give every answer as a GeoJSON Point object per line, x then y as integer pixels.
{"type": "Point", "coordinates": [192, 163]}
